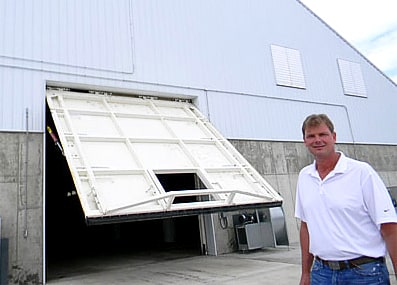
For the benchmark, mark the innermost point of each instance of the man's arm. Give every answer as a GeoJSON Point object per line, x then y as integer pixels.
{"type": "Point", "coordinates": [389, 233]}
{"type": "Point", "coordinates": [307, 257]}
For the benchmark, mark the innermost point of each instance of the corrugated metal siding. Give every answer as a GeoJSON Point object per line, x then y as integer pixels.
{"type": "Point", "coordinates": [193, 48]}
{"type": "Point", "coordinates": [68, 33]}
{"type": "Point", "coordinates": [276, 119]}
{"type": "Point", "coordinates": [21, 100]}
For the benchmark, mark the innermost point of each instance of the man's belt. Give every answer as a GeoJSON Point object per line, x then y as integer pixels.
{"type": "Point", "coordinates": [351, 263]}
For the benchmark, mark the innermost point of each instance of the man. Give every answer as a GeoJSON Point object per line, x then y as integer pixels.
{"type": "Point", "coordinates": [348, 221]}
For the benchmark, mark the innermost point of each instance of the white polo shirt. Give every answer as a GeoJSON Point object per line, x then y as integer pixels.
{"type": "Point", "coordinates": [344, 211]}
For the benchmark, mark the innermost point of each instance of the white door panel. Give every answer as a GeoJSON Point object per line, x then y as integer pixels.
{"type": "Point", "coordinates": [116, 146]}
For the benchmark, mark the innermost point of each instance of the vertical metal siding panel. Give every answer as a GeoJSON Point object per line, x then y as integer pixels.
{"type": "Point", "coordinates": [35, 100]}
{"type": "Point", "coordinates": [5, 99]}
{"type": "Point", "coordinates": [36, 26]}
{"type": "Point", "coordinates": [69, 33]}
{"type": "Point", "coordinates": [12, 101]}
{"type": "Point", "coordinates": [200, 43]}
{"type": "Point", "coordinates": [20, 39]}
{"type": "Point", "coordinates": [45, 14]}
{"type": "Point", "coordinates": [257, 117]}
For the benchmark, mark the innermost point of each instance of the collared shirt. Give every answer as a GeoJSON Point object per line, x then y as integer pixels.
{"type": "Point", "coordinates": [344, 211]}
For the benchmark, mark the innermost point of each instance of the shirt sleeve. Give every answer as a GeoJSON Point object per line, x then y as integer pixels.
{"type": "Point", "coordinates": [377, 198]}
{"type": "Point", "coordinates": [299, 212]}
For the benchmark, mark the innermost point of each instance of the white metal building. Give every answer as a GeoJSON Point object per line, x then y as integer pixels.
{"type": "Point", "coordinates": [138, 91]}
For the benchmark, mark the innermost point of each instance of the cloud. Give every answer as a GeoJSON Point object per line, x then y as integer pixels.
{"type": "Point", "coordinates": [370, 26]}
{"type": "Point", "coordinates": [381, 51]}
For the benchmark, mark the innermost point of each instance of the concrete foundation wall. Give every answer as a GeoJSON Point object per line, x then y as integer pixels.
{"type": "Point", "coordinates": [21, 205]}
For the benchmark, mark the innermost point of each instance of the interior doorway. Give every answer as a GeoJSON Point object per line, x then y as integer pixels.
{"type": "Point", "coordinates": [70, 241]}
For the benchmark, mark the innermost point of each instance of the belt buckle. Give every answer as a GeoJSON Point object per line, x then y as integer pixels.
{"type": "Point", "coordinates": [334, 265]}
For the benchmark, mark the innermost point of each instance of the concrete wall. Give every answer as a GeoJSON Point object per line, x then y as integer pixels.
{"type": "Point", "coordinates": [280, 163]}
{"type": "Point", "coordinates": [21, 180]}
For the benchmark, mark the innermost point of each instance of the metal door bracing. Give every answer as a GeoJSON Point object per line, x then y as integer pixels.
{"type": "Point", "coordinates": [116, 145]}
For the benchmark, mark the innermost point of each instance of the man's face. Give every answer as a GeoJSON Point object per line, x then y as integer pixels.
{"type": "Point", "coordinates": [319, 140]}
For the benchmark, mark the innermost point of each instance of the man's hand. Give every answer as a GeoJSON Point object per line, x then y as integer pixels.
{"type": "Point", "coordinates": [307, 257]}
{"type": "Point", "coordinates": [305, 279]}
{"type": "Point", "coordinates": [389, 233]}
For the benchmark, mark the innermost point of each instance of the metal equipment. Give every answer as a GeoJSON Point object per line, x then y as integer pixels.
{"type": "Point", "coordinates": [253, 230]}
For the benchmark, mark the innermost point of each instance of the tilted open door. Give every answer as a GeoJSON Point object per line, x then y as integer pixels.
{"type": "Point", "coordinates": [118, 147]}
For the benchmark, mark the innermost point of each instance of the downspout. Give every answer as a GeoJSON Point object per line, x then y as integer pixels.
{"type": "Point", "coordinates": [207, 105]}
{"type": "Point", "coordinates": [351, 131]}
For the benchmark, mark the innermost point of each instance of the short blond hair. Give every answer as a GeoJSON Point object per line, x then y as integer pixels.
{"type": "Point", "coordinates": [315, 120]}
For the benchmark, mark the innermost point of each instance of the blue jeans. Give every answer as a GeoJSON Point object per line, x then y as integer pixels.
{"type": "Point", "coordinates": [373, 273]}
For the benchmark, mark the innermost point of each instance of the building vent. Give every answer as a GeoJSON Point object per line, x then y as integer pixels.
{"type": "Point", "coordinates": [288, 67]}
{"type": "Point", "coordinates": [352, 78]}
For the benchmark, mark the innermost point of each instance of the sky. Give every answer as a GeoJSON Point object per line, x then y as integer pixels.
{"type": "Point", "coordinates": [369, 25]}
